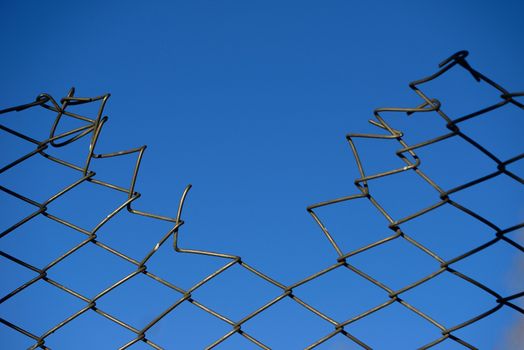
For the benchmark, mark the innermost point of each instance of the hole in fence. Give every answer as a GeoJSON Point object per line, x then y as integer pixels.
{"type": "Point", "coordinates": [237, 292]}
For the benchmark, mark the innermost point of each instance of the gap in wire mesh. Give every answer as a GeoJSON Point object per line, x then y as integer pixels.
{"type": "Point", "coordinates": [328, 173]}
{"type": "Point", "coordinates": [256, 242]}
{"type": "Point", "coordinates": [282, 326]}
{"type": "Point", "coordinates": [341, 294]}
{"type": "Point", "coordinates": [201, 227]}
{"type": "Point", "coordinates": [410, 195]}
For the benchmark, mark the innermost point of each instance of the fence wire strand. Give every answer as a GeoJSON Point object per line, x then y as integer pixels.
{"type": "Point", "coordinates": [407, 153]}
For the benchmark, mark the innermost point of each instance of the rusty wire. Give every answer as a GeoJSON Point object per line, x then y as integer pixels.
{"type": "Point", "coordinates": [407, 153]}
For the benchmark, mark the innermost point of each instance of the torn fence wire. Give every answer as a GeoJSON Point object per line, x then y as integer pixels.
{"type": "Point", "coordinates": [91, 130]}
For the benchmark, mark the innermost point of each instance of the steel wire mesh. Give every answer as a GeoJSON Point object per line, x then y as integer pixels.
{"type": "Point", "coordinates": [407, 153]}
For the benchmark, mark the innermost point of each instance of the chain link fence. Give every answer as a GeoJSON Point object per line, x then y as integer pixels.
{"type": "Point", "coordinates": [90, 129]}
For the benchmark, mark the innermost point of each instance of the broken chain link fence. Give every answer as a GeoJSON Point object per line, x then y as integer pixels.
{"type": "Point", "coordinates": [407, 153]}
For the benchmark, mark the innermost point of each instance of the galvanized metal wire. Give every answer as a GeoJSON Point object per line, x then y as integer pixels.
{"type": "Point", "coordinates": [342, 259]}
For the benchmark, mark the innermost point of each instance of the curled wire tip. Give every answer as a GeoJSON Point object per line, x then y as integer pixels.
{"type": "Point", "coordinates": [460, 58]}
{"type": "Point", "coordinates": [457, 56]}
{"type": "Point", "coordinates": [182, 201]}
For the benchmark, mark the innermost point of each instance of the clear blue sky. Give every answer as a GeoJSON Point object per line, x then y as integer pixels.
{"type": "Point", "coordinates": [250, 102]}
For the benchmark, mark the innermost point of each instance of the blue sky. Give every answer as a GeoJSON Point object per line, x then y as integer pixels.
{"type": "Point", "coordinates": [250, 103]}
